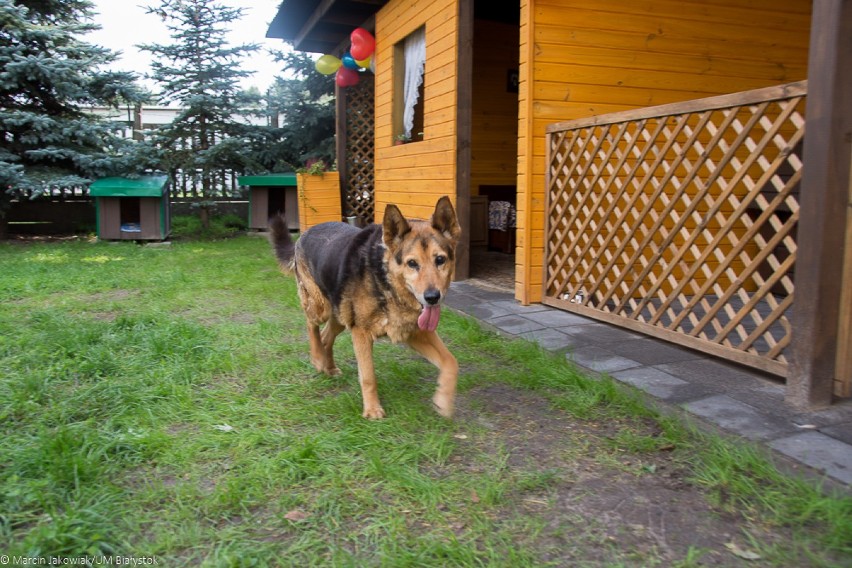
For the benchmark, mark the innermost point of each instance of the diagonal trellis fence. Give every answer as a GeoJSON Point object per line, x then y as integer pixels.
{"type": "Point", "coordinates": [679, 221]}
{"type": "Point", "coordinates": [356, 121]}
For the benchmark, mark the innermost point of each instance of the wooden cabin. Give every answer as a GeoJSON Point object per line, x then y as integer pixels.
{"type": "Point", "coordinates": [497, 75]}
{"type": "Point", "coordinates": [497, 78]}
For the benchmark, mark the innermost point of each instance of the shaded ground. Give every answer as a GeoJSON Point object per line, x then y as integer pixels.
{"type": "Point", "coordinates": [600, 506]}
{"type": "Point", "coordinates": [492, 269]}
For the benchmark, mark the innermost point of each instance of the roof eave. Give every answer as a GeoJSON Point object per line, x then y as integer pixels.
{"type": "Point", "coordinates": [321, 26]}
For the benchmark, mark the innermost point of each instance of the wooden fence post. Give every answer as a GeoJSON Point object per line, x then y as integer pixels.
{"type": "Point", "coordinates": [821, 325]}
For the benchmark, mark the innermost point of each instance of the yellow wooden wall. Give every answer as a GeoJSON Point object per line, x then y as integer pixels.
{"type": "Point", "coordinates": [494, 112]}
{"type": "Point", "coordinates": [319, 199]}
{"type": "Point", "coordinates": [414, 175]}
{"type": "Point", "coordinates": [580, 58]}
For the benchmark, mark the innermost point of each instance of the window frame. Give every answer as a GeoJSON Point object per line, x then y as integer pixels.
{"type": "Point", "coordinates": [399, 71]}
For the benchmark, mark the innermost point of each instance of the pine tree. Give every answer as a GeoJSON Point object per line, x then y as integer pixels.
{"type": "Point", "coordinates": [302, 104]}
{"type": "Point", "coordinates": [199, 71]}
{"type": "Point", "coordinates": [48, 75]}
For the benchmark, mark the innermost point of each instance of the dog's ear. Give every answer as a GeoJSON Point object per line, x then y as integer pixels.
{"type": "Point", "coordinates": [394, 226]}
{"type": "Point", "coordinates": [444, 219]}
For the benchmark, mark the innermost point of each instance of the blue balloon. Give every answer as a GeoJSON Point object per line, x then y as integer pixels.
{"type": "Point", "coordinates": [349, 62]}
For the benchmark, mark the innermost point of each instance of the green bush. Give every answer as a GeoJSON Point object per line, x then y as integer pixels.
{"type": "Point", "coordinates": [221, 227]}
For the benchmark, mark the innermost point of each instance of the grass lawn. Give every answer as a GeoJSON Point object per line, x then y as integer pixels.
{"type": "Point", "coordinates": [158, 403]}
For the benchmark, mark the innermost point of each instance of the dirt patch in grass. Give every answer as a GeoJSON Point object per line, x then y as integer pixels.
{"type": "Point", "coordinates": [109, 296]}
{"type": "Point", "coordinates": [113, 295]}
{"type": "Point", "coordinates": [32, 239]}
{"type": "Point", "coordinates": [598, 505]}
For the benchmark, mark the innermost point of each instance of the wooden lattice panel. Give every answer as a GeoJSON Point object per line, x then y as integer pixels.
{"type": "Point", "coordinates": [680, 221]}
{"type": "Point", "coordinates": [359, 194]}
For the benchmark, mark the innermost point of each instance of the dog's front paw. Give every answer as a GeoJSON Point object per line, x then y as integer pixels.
{"type": "Point", "coordinates": [443, 404]}
{"type": "Point", "coordinates": [333, 372]}
{"type": "Point", "coordinates": [374, 413]}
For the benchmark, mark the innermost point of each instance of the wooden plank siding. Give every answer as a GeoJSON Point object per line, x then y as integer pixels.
{"type": "Point", "coordinates": [318, 199]}
{"type": "Point", "coordinates": [414, 175]}
{"type": "Point", "coordinates": [494, 121]}
{"type": "Point", "coordinates": [581, 59]}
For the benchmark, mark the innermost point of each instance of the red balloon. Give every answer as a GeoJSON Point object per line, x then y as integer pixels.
{"type": "Point", "coordinates": [346, 77]}
{"type": "Point", "coordinates": [363, 44]}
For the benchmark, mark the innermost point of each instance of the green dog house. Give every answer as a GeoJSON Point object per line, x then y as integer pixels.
{"type": "Point", "coordinates": [269, 195]}
{"type": "Point", "coordinates": [132, 209]}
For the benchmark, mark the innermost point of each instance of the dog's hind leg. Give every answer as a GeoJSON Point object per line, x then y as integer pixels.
{"type": "Point", "coordinates": [428, 344]}
{"type": "Point", "coordinates": [322, 345]}
{"type": "Point", "coordinates": [362, 341]}
{"type": "Point", "coordinates": [329, 333]}
{"type": "Point", "coordinates": [317, 311]}
{"type": "Point", "coordinates": [317, 351]}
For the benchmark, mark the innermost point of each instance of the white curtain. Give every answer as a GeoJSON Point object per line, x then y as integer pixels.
{"type": "Point", "coordinates": [414, 49]}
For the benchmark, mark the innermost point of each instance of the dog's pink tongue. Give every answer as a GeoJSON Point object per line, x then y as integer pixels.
{"type": "Point", "coordinates": [428, 320]}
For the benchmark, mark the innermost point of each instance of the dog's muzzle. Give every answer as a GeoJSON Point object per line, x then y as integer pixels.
{"type": "Point", "coordinates": [428, 320]}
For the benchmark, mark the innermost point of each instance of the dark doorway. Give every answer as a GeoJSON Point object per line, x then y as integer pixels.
{"type": "Point", "coordinates": [494, 143]}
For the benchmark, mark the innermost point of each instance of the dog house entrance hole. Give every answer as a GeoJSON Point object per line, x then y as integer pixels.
{"type": "Point", "coordinates": [276, 202]}
{"type": "Point", "coordinates": [130, 214]}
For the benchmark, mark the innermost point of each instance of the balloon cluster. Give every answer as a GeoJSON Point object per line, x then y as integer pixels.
{"type": "Point", "coordinates": [357, 59]}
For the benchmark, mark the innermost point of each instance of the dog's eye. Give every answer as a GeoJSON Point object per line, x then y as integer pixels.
{"type": "Point", "coordinates": [440, 260]}
{"type": "Point", "coordinates": [413, 264]}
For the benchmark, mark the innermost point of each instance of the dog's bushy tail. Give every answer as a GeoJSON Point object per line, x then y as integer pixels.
{"type": "Point", "coordinates": [282, 244]}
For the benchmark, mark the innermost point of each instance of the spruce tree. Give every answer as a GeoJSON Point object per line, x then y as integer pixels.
{"type": "Point", "coordinates": [303, 116]}
{"type": "Point", "coordinates": [48, 76]}
{"type": "Point", "coordinates": [199, 71]}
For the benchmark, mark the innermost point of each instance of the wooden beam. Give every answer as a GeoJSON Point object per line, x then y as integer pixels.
{"type": "Point", "coordinates": [331, 23]}
{"type": "Point", "coordinates": [778, 92]}
{"type": "Point", "coordinates": [824, 202]}
{"type": "Point", "coordinates": [312, 21]}
{"type": "Point", "coordinates": [341, 136]}
{"type": "Point", "coordinates": [464, 118]}
{"type": "Point", "coordinates": [843, 380]}
{"type": "Point", "coordinates": [526, 132]}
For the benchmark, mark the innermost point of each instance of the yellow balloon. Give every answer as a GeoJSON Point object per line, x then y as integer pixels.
{"type": "Point", "coordinates": [364, 63]}
{"type": "Point", "coordinates": [328, 64]}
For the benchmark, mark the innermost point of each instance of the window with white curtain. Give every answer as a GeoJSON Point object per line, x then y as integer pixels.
{"type": "Point", "coordinates": [408, 91]}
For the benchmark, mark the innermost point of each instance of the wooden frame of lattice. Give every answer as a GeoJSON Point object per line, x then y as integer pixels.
{"type": "Point", "coordinates": [679, 221]}
{"type": "Point", "coordinates": [356, 148]}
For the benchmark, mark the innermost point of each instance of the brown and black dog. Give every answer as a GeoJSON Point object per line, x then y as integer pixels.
{"type": "Point", "coordinates": [386, 279]}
